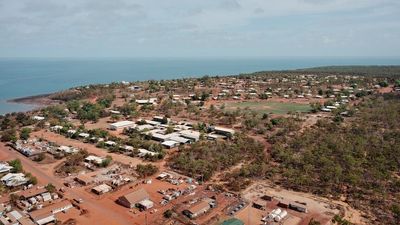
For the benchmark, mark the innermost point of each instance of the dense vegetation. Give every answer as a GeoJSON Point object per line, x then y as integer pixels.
{"type": "Point", "coordinates": [358, 160]}
{"type": "Point", "coordinates": [382, 71]}
{"type": "Point", "coordinates": [202, 159]}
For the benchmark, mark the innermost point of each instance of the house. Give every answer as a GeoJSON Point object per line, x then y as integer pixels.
{"type": "Point", "coordinates": [150, 101]}
{"type": "Point", "coordinates": [121, 125]}
{"type": "Point", "coordinates": [4, 168]}
{"type": "Point", "coordinates": [29, 193]}
{"type": "Point", "coordinates": [38, 118]}
{"type": "Point", "coordinates": [144, 152]}
{"type": "Point", "coordinates": [101, 189]}
{"type": "Point", "coordinates": [170, 144]}
{"type": "Point", "coordinates": [224, 131]}
{"type": "Point", "coordinates": [84, 179]}
{"type": "Point", "coordinates": [143, 127]}
{"type": "Point", "coordinates": [11, 218]}
{"type": "Point", "coordinates": [180, 140]}
{"type": "Point", "coordinates": [115, 112]}
{"type": "Point", "coordinates": [110, 143]}
{"type": "Point", "coordinates": [189, 134]}
{"type": "Point", "coordinates": [197, 209]}
{"type": "Point", "coordinates": [14, 179]}
{"type": "Point", "coordinates": [153, 123]}
{"type": "Point", "coordinates": [84, 135]}
{"type": "Point", "coordinates": [94, 159]}
{"type": "Point", "coordinates": [134, 199]}
{"type": "Point", "coordinates": [66, 149]}
{"type": "Point", "coordinates": [161, 119]}
{"type": "Point", "coordinates": [215, 136]}
{"type": "Point", "coordinates": [259, 204]}
{"type": "Point", "coordinates": [56, 128]}
{"type": "Point", "coordinates": [127, 148]}
{"type": "Point", "coordinates": [46, 196]}
{"type": "Point", "coordinates": [71, 132]}
{"type": "Point", "coordinates": [298, 207]}
{"type": "Point", "coordinates": [48, 214]}
{"type": "Point", "coordinates": [135, 88]}
{"type": "Point", "coordinates": [145, 204]}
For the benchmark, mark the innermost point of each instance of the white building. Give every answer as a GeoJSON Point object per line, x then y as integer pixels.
{"type": "Point", "coordinates": [94, 159]}
{"type": "Point", "coordinates": [122, 125]}
{"type": "Point", "coordinates": [170, 144]}
{"type": "Point", "coordinates": [144, 152]}
{"type": "Point", "coordinates": [38, 118]}
{"type": "Point", "coordinates": [14, 179]}
{"type": "Point", "coordinates": [4, 167]}
{"type": "Point", "coordinates": [84, 135]}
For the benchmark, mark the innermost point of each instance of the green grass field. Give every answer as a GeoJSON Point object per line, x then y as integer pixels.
{"type": "Point", "coordinates": [268, 107]}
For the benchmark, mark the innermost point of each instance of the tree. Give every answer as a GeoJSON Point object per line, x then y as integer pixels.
{"type": "Point", "coordinates": [145, 170]}
{"type": "Point", "coordinates": [40, 157]}
{"type": "Point", "coordinates": [32, 179]}
{"type": "Point", "coordinates": [170, 129]}
{"type": "Point", "coordinates": [17, 166]}
{"type": "Point", "coordinates": [168, 213]}
{"type": "Point", "coordinates": [73, 105]}
{"type": "Point", "coordinates": [25, 133]}
{"type": "Point", "coordinates": [50, 188]}
{"type": "Point", "coordinates": [115, 117]}
{"type": "Point", "coordinates": [106, 161]}
{"type": "Point", "coordinates": [9, 135]}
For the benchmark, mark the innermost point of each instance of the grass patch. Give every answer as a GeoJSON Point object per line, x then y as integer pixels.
{"type": "Point", "coordinates": [279, 108]}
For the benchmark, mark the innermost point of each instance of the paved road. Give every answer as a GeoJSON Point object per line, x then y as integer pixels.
{"type": "Point", "coordinates": [103, 215]}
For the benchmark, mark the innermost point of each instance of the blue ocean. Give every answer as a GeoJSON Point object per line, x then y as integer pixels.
{"type": "Point", "coordinates": [27, 77]}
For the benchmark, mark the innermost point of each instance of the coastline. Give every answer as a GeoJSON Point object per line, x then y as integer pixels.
{"type": "Point", "coordinates": [31, 100]}
{"type": "Point", "coordinates": [35, 102]}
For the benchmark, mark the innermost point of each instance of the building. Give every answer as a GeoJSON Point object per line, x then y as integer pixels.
{"type": "Point", "coordinates": [101, 189]}
{"type": "Point", "coordinates": [4, 167]}
{"type": "Point", "coordinates": [66, 149]}
{"type": "Point", "coordinates": [14, 179]}
{"type": "Point", "coordinates": [84, 179]}
{"type": "Point", "coordinates": [48, 214]}
{"type": "Point", "coordinates": [134, 199]}
{"type": "Point", "coordinates": [11, 218]}
{"type": "Point", "coordinates": [189, 134]}
{"type": "Point", "coordinates": [259, 204]}
{"type": "Point", "coordinates": [29, 193]}
{"type": "Point", "coordinates": [197, 209]}
{"type": "Point", "coordinates": [224, 131]}
{"type": "Point", "coordinates": [121, 125]}
{"type": "Point", "coordinates": [162, 119]}
{"type": "Point", "coordinates": [84, 135]}
{"type": "Point", "coordinates": [180, 140]}
{"type": "Point", "coordinates": [170, 144]}
{"type": "Point", "coordinates": [38, 118]}
{"type": "Point", "coordinates": [94, 159]}
{"type": "Point", "coordinates": [110, 143]}
{"type": "Point", "coordinates": [56, 128]}
{"type": "Point", "coordinates": [150, 101]}
{"type": "Point", "coordinates": [144, 152]}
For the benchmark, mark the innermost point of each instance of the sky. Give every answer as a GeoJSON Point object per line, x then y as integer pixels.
{"type": "Point", "coordinates": [199, 28]}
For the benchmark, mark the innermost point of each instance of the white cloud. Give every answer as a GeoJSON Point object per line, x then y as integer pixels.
{"type": "Point", "coordinates": [258, 25]}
